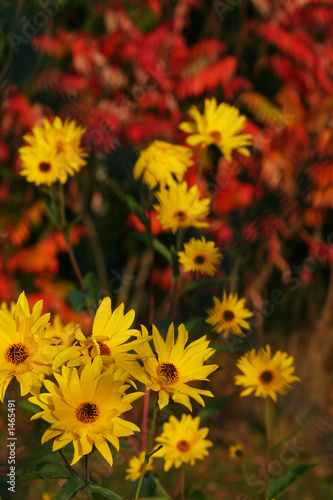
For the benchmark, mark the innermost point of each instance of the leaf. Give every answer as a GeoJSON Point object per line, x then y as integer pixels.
{"type": "Point", "coordinates": [51, 213]}
{"type": "Point", "coordinates": [284, 440]}
{"type": "Point", "coordinates": [137, 209]}
{"type": "Point", "coordinates": [215, 406]}
{"type": "Point", "coordinates": [193, 285]}
{"type": "Point", "coordinates": [157, 245]}
{"type": "Point", "coordinates": [105, 492]}
{"type": "Point", "coordinates": [193, 324]}
{"type": "Point", "coordinates": [283, 482]}
{"type": "Point", "coordinates": [78, 299]}
{"type": "Point", "coordinates": [46, 471]}
{"type": "Point", "coordinates": [197, 495]}
{"type": "Point", "coordinates": [160, 490]}
{"type": "Point", "coordinates": [92, 285]}
{"type": "Point", "coordinates": [27, 406]}
{"type": "Point", "coordinates": [224, 348]}
{"type": "Point", "coordinates": [70, 488]}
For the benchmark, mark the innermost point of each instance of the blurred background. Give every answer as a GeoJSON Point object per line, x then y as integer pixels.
{"type": "Point", "coordinates": [128, 71]}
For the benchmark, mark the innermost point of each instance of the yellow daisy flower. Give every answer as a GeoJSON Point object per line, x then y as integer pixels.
{"type": "Point", "coordinates": [86, 410]}
{"type": "Point", "coordinates": [176, 365]}
{"type": "Point", "coordinates": [183, 442]}
{"type": "Point", "coordinates": [160, 162]}
{"type": "Point", "coordinates": [220, 125]}
{"type": "Point", "coordinates": [236, 451]}
{"type": "Point", "coordinates": [53, 152]}
{"type": "Point", "coordinates": [180, 207]}
{"type": "Point", "coordinates": [229, 316]}
{"type": "Point", "coordinates": [109, 339]}
{"type": "Point", "coordinates": [201, 256]}
{"type": "Point", "coordinates": [24, 351]}
{"type": "Point", "coordinates": [135, 466]}
{"type": "Point", "coordinates": [265, 375]}
{"type": "Point", "coordinates": [61, 335]}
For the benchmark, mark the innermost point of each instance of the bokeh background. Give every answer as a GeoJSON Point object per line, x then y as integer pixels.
{"type": "Point", "coordinates": [129, 71]}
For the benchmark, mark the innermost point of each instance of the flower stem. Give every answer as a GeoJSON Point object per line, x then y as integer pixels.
{"type": "Point", "coordinates": [150, 440]}
{"type": "Point", "coordinates": [268, 429]}
{"type": "Point", "coordinates": [182, 482]}
{"type": "Point", "coordinates": [145, 419]}
{"type": "Point", "coordinates": [87, 476]}
{"type": "Point", "coordinates": [201, 166]}
{"type": "Point", "coordinates": [68, 465]}
{"type": "Point", "coordinates": [244, 469]}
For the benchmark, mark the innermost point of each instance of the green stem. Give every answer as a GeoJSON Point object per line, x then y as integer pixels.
{"type": "Point", "coordinates": [148, 454]}
{"type": "Point", "coordinates": [201, 166]}
{"type": "Point", "coordinates": [182, 482]}
{"type": "Point", "coordinates": [244, 469]}
{"type": "Point", "coordinates": [268, 429]}
{"type": "Point", "coordinates": [176, 274]}
{"type": "Point", "coordinates": [87, 476]}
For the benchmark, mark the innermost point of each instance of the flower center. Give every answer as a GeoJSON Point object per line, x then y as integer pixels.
{"type": "Point", "coordinates": [239, 453]}
{"type": "Point", "coordinates": [169, 371]}
{"type": "Point", "coordinates": [199, 259]}
{"type": "Point", "coordinates": [216, 136]}
{"type": "Point", "coordinates": [181, 216]}
{"type": "Point", "coordinates": [87, 413]}
{"type": "Point", "coordinates": [103, 348]}
{"type": "Point", "coordinates": [228, 315]}
{"type": "Point", "coordinates": [16, 353]}
{"type": "Point", "coordinates": [183, 445]}
{"type": "Point", "coordinates": [266, 377]}
{"type": "Point", "coordinates": [44, 166]}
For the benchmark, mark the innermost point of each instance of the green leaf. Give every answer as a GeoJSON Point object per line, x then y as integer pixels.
{"type": "Point", "coordinates": [157, 245]}
{"type": "Point", "coordinates": [197, 495]}
{"type": "Point", "coordinates": [92, 285]}
{"type": "Point", "coordinates": [78, 299]}
{"type": "Point", "coordinates": [224, 348]}
{"type": "Point", "coordinates": [46, 471]}
{"type": "Point", "coordinates": [70, 488]}
{"type": "Point", "coordinates": [283, 482]}
{"type": "Point", "coordinates": [160, 490]}
{"type": "Point", "coordinates": [105, 492]}
{"type": "Point", "coordinates": [27, 406]}
{"type": "Point", "coordinates": [137, 209]}
{"type": "Point", "coordinates": [51, 213]}
{"type": "Point", "coordinates": [193, 324]}
{"type": "Point", "coordinates": [284, 440]}
{"type": "Point", "coordinates": [215, 406]}
{"type": "Point", "coordinates": [193, 285]}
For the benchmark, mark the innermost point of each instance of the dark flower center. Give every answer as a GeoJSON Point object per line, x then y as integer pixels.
{"type": "Point", "coordinates": [181, 216]}
{"type": "Point", "coordinates": [239, 453]}
{"type": "Point", "coordinates": [44, 166]}
{"type": "Point", "coordinates": [183, 445]}
{"type": "Point", "coordinates": [200, 259]}
{"type": "Point", "coordinates": [216, 136]}
{"type": "Point", "coordinates": [87, 413]}
{"type": "Point", "coordinates": [16, 353]}
{"type": "Point", "coordinates": [104, 349]}
{"type": "Point", "coordinates": [266, 377]}
{"type": "Point", "coordinates": [228, 315]}
{"type": "Point", "coordinates": [169, 371]}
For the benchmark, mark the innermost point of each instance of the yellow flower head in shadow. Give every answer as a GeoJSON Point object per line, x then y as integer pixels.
{"type": "Point", "coordinates": [236, 451]}
{"type": "Point", "coordinates": [161, 163]}
{"type": "Point", "coordinates": [201, 256]}
{"type": "Point", "coordinates": [183, 442]}
{"type": "Point", "coordinates": [265, 375]}
{"type": "Point", "coordinates": [175, 365]}
{"type": "Point", "coordinates": [180, 207]}
{"type": "Point", "coordinates": [135, 466]}
{"type": "Point", "coordinates": [229, 315]}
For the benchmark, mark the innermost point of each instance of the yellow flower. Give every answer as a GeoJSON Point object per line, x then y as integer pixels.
{"type": "Point", "coordinates": [265, 375]}
{"type": "Point", "coordinates": [86, 410]}
{"type": "Point", "coordinates": [110, 334]}
{"type": "Point", "coordinates": [220, 125]}
{"type": "Point", "coordinates": [180, 207]}
{"type": "Point", "coordinates": [183, 442]}
{"type": "Point", "coordinates": [24, 351]}
{"type": "Point", "coordinates": [236, 451]}
{"type": "Point", "coordinates": [135, 466]}
{"type": "Point", "coordinates": [229, 315]}
{"type": "Point", "coordinates": [176, 365]}
{"type": "Point", "coordinates": [201, 256]}
{"type": "Point", "coordinates": [61, 335]}
{"type": "Point", "coordinates": [160, 162]}
{"type": "Point", "coordinates": [53, 152]}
